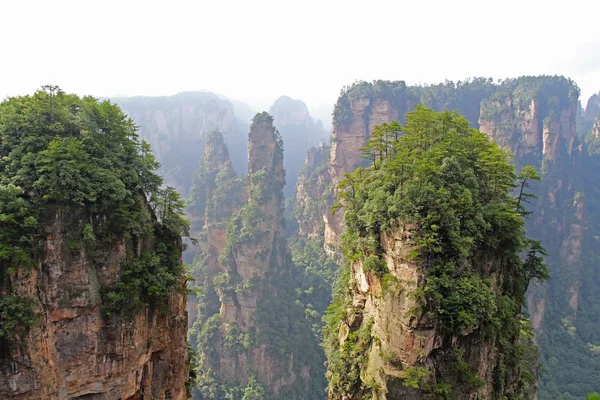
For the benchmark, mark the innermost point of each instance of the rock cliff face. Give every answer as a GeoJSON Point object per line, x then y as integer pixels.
{"type": "Point", "coordinates": [92, 284]}
{"type": "Point", "coordinates": [540, 129]}
{"type": "Point", "coordinates": [596, 130]}
{"type": "Point", "coordinates": [78, 353]}
{"type": "Point", "coordinates": [536, 118]}
{"type": "Point", "coordinates": [530, 124]}
{"type": "Point", "coordinates": [251, 327]}
{"type": "Point", "coordinates": [364, 105]}
{"type": "Point", "coordinates": [175, 127]}
{"type": "Point", "coordinates": [345, 156]}
{"type": "Point", "coordinates": [408, 345]}
{"type": "Point", "coordinates": [266, 178]}
{"type": "Point", "coordinates": [592, 109]}
{"type": "Point", "coordinates": [216, 195]}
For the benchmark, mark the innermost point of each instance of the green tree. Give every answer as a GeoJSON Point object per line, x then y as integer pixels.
{"type": "Point", "coordinates": [81, 157]}
{"type": "Point", "coordinates": [455, 188]}
{"type": "Point", "coordinates": [254, 391]}
{"type": "Point", "coordinates": [17, 229]}
{"type": "Point", "coordinates": [528, 174]}
{"type": "Point", "coordinates": [170, 209]}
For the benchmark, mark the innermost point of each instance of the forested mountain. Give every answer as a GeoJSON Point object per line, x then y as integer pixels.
{"type": "Point", "coordinates": [249, 330]}
{"type": "Point", "coordinates": [407, 257]}
{"type": "Point", "coordinates": [92, 287]}
{"type": "Point", "coordinates": [536, 118]}
{"type": "Point", "coordinates": [176, 126]}
{"type": "Point", "coordinates": [430, 304]}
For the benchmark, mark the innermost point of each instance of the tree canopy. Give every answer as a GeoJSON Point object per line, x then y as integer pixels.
{"type": "Point", "coordinates": [60, 151]}
{"type": "Point", "coordinates": [455, 190]}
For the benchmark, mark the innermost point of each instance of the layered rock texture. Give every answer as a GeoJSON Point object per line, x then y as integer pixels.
{"type": "Point", "coordinates": [404, 353]}
{"type": "Point", "coordinates": [76, 352]}
{"type": "Point", "coordinates": [412, 322]}
{"type": "Point", "coordinates": [92, 285]}
{"type": "Point", "coordinates": [312, 192]}
{"type": "Point", "coordinates": [249, 330]}
{"type": "Point", "coordinates": [538, 120]}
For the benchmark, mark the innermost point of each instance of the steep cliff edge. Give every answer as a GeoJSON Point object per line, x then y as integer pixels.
{"type": "Point", "coordinates": [539, 121]}
{"type": "Point", "coordinates": [92, 282]}
{"type": "Point", "coordinates": [430, 303]}
{"type": "Point", "coordinates": [536, 118]}
{"type": "Point", "coordinates": [257, 337]}
{"type": "Point", "coordinates": [75, 351]}
{"type": "Point", "coordinates": [216, 194]}
{"type": "Point", "coordinates": [364, 105]}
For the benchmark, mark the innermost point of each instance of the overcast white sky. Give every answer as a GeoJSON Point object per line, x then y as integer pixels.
{"type": "Point", "coordinates": [257, 50]}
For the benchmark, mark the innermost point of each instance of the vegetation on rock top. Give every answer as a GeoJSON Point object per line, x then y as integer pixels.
{"type": "Point", "coordinates": [60, 153]}
{"type": "Point", "coordinates": [455, 187]}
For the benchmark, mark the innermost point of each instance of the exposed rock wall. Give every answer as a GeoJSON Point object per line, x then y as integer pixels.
{"type": "Point", "coordinates": [530, 124]}
{"type": "Point", "coordinates": [345, 156]}
{"type": "Point", "coordinates": [541, 129]}
{"type": "Point", "coordinates": [76, 352]}
{"type": "Point", "coordinates": [405, 340]}
{"type": "Point", "coordinates": [249, 270]}
{"type": "Point", "coordinates": [215, 196]}
{"type": "Point", "coordinates": [266, 176]}
{"type": "Point", "coordinates": [535, 118]}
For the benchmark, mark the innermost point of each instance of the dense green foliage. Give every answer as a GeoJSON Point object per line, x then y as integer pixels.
{"type": "Point", "coordinates": [467, 97]}
{"type": "Point", "coordinates": [463, 96]}
{"type": "Point", "coordinates": [453, 187]}
{"type": "Point", "coordinates": [281, 325]}
{"type": "Point", "coordinates": [570, 337]}
{"type": "Point", "coordinates": [62, 153]}
{"type": "Point", "coordinates": [17, 316]}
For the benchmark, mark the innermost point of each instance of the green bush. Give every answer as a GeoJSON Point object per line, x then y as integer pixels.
{"type": "Point", "coordinates": [17, 317]}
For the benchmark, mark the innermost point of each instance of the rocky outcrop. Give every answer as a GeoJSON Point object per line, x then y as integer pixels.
{"type": "Point", "coordinates": [529, 124]}
{"type": "Point", "coordinates": [215, 196]}
{"type": "Point", "coordinates": [536, 119]}
{"type": "Point", "coordinates": [513, 126]}
{"type": "Point", "coordinates": [288, 111]}
{"type": "Point", "coordinates": [592, 108]}
{"type": "Point", "coordinates": [539, 126]}
{"type": "Point", "coordinates": [175, 128]}
{"type": "Point", "coordinates": [247, 267]}
{"type": "Point", "coordinates": [266, 178]}
{"type": "Point", "coordinates": [407, 344]}
{"type": "Point", "coordinates": [348, 137]}
{"type": "Point", "coordinates": [596, 130]}
{"type": "Point", "coordinates": [76, 352]}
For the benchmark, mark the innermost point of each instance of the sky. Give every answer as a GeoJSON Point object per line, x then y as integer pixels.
{"type": "Point", "coordinates": [258, 50]}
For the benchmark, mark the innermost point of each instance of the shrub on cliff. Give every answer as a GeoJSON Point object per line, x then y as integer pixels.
{"type": "Point", "coordinates": [456, 188]}
{"type": "Point", "coordinates": [59, 151]}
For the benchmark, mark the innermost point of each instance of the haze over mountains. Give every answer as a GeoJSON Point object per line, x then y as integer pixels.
{"type": "Point", "coordinates": [276, 200]}
{"type": "Point", "coordinates": [175, 127]}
